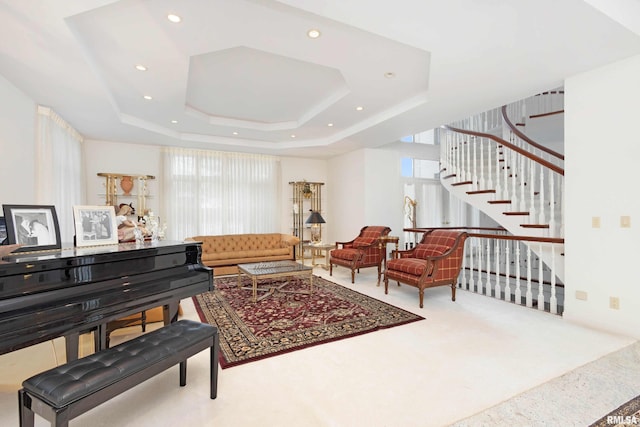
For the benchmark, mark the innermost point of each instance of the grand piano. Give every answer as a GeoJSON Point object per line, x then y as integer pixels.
{"type": "Point", "coordinates": [72, 291]}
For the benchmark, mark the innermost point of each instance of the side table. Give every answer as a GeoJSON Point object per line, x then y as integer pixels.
{"type": "Point", "coordinates": [316, 250]}
{"type": "Point", "coordinates": [382, 242]}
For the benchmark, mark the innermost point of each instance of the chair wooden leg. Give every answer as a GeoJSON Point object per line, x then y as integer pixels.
{"type": "Point", "coordinates": [143, 321]}
{"type": "Point", "coordinates": [453, 291]}
{"type": "Point", "coordinates": [330, 269]}
{"type": "Point", "coordinates": [353, 276]}
{"type": "Point", "coordinates": [386, 285]}
{"type": "Point", "coordinates": [421, 298]}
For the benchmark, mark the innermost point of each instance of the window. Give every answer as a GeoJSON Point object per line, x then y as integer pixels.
{"type": "Point", "coordinates": [426, 137]}
{"type": "Point", "coordinates": [212, 193]}
{"type": "Point", "coordinates": [419, 168]}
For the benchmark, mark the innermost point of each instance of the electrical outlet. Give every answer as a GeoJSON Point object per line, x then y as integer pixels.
{"type": "Point", "coordinates": [581, 295]}
{"type": "Point", "coordinates": [625, 221]}
{"type": "Point", "coordinates": [595, 222]}
{"type": "Point", "coordinates": [614, 303]}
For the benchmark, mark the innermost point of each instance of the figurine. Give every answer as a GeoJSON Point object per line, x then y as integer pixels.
{"type": "Point", "coordinates": [126, 226]}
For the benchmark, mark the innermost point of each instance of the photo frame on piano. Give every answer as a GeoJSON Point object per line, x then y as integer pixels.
{"type": "Point", "coordinates": [95, 225]}
{"type": "Point", "coordinates": [34, 227]}
{"type": "Point", "coordinates": [3, 231]}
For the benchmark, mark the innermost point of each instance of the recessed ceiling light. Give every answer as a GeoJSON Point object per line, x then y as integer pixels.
{"type": "Point", "coordinates": [389, 74]}
{"type": "Point", "coordinates": [235, 133]}
{"type": "Point", "coordinates": [359, 108]}
{"type": "Point", "coordinates": [313, 33]}
{"type": "Point", "coordinates": [293, 136]}
{"type": "Point", "coordinates": [174, 121]}
{"type": "Point", "coordinates": [141, 67]}
{"type": "Point", "coordinates": [148, 97]}
{"type": "Point", "coordinates": [174, 18]}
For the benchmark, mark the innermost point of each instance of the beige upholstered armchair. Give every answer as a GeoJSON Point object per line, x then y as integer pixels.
{"type": "Point", "coordinates": [361, 252]}
{"type": "Point", "coordinates": [435, 261]}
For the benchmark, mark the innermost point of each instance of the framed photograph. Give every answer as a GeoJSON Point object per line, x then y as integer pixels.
{"type": "Point", "coordinates": [3, 231]}
{"type": "Point", "coordinates": [95, 225]}
{"type": "Point", "coordinates": [34, 227]}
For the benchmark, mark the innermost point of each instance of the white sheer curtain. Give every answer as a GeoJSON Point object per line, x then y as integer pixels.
{"type": "Point", "coordinates": [212, 193]}
{"type": "Point", "coordinates": [59, 170]}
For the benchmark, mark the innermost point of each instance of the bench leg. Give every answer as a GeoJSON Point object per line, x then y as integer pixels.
{"type": "Point", "coordinates": [61, 418]}
{"type": "Point", "coordinates": [215, 349]}
{"type": "Point", "coordinates": [183, 373]}
{"type": "Point", "coordinates": [24, 409]}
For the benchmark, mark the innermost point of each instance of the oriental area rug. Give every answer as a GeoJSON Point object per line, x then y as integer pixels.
{"type": "Point", "coordinates": [627, 414]}
{"type": "Point", "coordinates": [289, 321]}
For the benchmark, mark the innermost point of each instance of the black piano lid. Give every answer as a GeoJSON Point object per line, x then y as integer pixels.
{"type": "Point", "coordinates": [28, 262]}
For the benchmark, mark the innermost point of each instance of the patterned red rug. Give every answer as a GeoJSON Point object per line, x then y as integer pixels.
{"type": "Point", "coordinates": [285, 321]}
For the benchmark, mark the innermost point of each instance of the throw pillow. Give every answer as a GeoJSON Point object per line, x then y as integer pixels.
{"type": "Point", "coordinates": [425, 250]}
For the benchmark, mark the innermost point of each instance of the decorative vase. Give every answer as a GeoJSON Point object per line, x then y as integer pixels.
{"type": "Point", "coordinates": [126, 183]}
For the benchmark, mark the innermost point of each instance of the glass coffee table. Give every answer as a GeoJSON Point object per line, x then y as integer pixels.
{"type": "Point", "coordinates": [271, 270]}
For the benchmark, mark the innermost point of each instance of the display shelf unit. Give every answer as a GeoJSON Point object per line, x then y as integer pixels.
{"type": "Point", "coordinates": [115, 193]}
{"type": "Point", "coordinates": [306, 196]}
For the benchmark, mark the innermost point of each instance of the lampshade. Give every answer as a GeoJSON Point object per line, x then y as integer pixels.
{"type": "Point", "coordinates": [315, 218]}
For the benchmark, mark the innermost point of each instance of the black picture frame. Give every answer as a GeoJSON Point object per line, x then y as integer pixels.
{"type": "Point", "coordinates": [35, 227]}
{"type": "Point", "coordinates": [3, 231]}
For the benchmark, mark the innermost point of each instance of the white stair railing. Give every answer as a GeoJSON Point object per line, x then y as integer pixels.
{"type": "Point", "coordinates": [532, 186]}
{"type": "Point", "coordinates": [491, 164]}
{"type": "Point", "coordinates": [505, 267]}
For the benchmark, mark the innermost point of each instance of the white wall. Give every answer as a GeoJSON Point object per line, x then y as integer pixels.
{"type": "Point", "coordinates": [602, 144]}
{"type": "Point", "coordinates": [17, 146]}
{"type": "Point", "coordinates": [114, 157]}
{"type": "Point", "coordinates": [346, 178]}
{"type": "Point", "coordinates": [365, 190]}
{"type": "Point", "coordinates": [384, 196]}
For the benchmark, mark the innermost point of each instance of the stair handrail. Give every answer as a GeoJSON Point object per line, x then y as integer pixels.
{"type": "Point", "coordinates": [525, 138]}
{"type": "Point", "coordinates": [558, 240]}
{"type": "Point", "coordinates": [515, 148]}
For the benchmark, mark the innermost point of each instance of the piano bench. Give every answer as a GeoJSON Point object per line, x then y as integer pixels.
{"type": "Point", "coordinates": [62, 393]}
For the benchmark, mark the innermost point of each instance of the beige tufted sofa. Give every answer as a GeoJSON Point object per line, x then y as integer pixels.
{"type": "Point", "coordinates": [223, 253]}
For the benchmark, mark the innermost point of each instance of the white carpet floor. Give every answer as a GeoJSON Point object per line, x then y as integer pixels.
{"type": "Point", "coordinates": [474, 362]}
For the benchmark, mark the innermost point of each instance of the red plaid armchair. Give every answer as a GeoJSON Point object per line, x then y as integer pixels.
{"type": "Point", "coordinates": [363, 251]}
{"type": "Point", "coordinates": [435, 261]}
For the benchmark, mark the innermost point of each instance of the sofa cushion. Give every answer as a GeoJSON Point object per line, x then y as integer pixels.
{"type": "Point", "coordinates": [413, 266]}
{"type": "Point", "coordinates": [426, 250]}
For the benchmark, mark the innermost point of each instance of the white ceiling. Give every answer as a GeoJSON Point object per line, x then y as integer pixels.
{"type": "Point", "coordinates": [242, 75]}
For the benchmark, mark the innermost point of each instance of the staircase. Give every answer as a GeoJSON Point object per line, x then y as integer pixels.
{"type": "Point", "coordinates": [490, 163]}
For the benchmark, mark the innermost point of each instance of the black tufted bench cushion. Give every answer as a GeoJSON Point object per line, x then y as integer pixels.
{"type": "Point", "coordinates": [62, 393]}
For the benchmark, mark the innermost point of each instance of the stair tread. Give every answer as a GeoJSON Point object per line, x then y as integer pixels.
{"type": "Point", "coordinates": [481, 191]}
{"type": "Point", "coordinates": [515, 213]}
